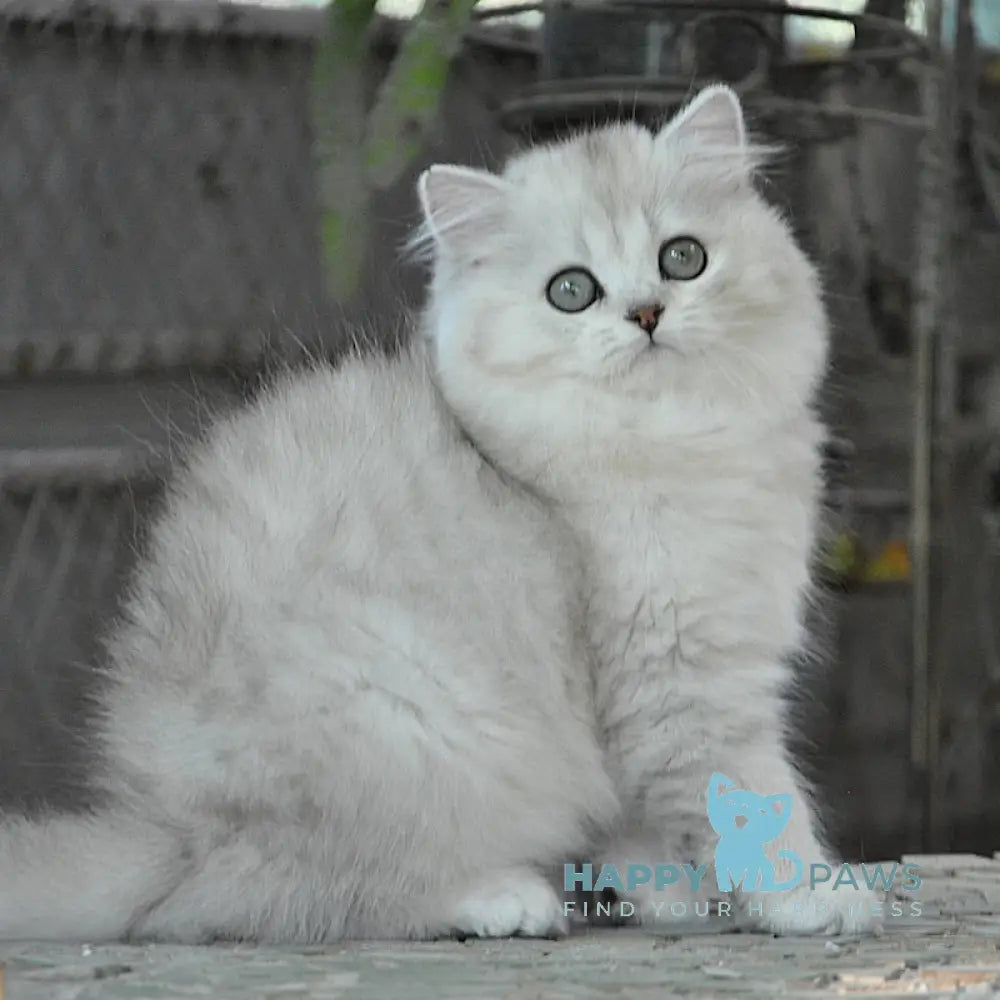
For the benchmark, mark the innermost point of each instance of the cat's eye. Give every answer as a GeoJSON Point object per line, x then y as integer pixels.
{"type": "Point", "coordinates": [682, 258]}
{"type": "Point", "coordinates": [573, 290]}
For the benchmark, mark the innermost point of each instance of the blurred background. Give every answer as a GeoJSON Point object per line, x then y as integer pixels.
{"type": "Point", "coordinates": [190, 190]}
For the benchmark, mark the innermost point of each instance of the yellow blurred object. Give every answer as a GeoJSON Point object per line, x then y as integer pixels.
{"type": "Point", "coordinates": [819, 52]}
{"type": "Point", "coordinates": [847, 561]}
{"type": "Point", "coordinates": [892, 564]}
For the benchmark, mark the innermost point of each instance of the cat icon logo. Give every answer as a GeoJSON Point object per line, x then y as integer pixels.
{"type": "Point", "coordinates": [745, 822]}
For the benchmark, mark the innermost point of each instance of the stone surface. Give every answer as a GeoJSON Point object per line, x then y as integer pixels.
{"type": "Point", "coordinates": [952, 949]}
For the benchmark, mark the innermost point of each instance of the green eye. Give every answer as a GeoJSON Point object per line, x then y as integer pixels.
{"type": "Point", "coordinates": [682, 258]}
{"type": "Point", "coordinates": [573, 290]}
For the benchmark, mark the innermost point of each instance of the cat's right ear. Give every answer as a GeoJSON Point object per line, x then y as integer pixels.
{"type": "Point", "coordinates": [714, 118]}
{"type": "Point", "coordinates": [461, 206]}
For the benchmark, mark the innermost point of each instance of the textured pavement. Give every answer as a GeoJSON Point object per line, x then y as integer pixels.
{"type": "Point", "coordinates": [953, 949]}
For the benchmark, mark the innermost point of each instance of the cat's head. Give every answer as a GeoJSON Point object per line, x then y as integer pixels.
{"type": "Point", "coordinates": [622, 287]}
{"type": "Point", "coordinates": [744, 814]}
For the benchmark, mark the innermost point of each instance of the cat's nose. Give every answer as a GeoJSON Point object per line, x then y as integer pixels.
{"type": "Point", "coordinates": [645, 316]}
{"type": "Point", "coordinates": [741, 821]}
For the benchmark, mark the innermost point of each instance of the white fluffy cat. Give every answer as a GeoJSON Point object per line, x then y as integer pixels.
{"type": "Point", "coordinates": [371, 683]}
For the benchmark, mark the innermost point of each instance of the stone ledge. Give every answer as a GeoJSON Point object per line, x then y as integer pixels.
{"type": "Point", "coordinates": [953, 949]}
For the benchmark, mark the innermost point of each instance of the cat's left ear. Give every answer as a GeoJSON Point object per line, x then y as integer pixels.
{"type": "Point", "coordinates": [714, 118]}
{"type": "Point", "coordinates": [460, 205]}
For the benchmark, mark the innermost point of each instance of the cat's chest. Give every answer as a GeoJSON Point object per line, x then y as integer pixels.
{"type": "Point", "coordinates": [666, 580]}
{"type": "Point", "coordinates": [659, 547]}
{"type": "Point", "coordinates": [638, 577]}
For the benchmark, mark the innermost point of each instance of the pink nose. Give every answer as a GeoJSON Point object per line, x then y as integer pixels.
{"type": "Point", "coordinates": [646, 316]}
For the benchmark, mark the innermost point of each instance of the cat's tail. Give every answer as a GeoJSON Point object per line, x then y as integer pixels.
{"type": "Point", "coordinates": [80, 877]}
{"type": "Point", "coordinates": [796, 877]}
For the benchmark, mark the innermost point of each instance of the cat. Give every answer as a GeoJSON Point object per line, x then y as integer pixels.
{"type": "Point", "coordinates": [739, 854]}
{"type": "Point", "coordinates": [412, 632]}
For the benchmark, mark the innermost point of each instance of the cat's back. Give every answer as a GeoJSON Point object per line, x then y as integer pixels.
{"type": "Point", "coordinates": [345, 501]}
{"type": "Point", "coordinates": [362, 454]}
{"type": "Point", "coordinates": [327, 444]}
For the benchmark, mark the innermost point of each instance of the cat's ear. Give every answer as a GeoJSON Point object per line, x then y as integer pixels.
{"type": "Point", "coordinates": [460, 205]}
{"type": "Point", "coordinates": [714, 118]}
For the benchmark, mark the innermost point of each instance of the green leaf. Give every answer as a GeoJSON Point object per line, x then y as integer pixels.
{"type": "Point", "coordinates": [411, 93]}
{"type": "Point", "coordinates": [338, 117]}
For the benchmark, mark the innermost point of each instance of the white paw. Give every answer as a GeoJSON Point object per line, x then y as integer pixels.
{"type": "Point", "coordinates": [520, 902]}
{"type": "Point", "coordinates": [822, 910]}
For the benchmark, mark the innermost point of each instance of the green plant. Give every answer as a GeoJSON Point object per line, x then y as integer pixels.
{"type": "Point", "coordinates": [358, 150]}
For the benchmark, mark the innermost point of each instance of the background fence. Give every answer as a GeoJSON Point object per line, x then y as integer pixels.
{"type": "Point", "coordinates": [158, 239]}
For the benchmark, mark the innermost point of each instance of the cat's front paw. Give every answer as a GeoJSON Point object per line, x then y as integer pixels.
{"type": "Point", "coordinates": [820, 910]}
{"type": "Point", "coordinates": [519, 902]}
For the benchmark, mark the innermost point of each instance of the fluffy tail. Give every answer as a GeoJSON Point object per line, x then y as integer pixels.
{"type": "Point", "coordinates": [79, 878]}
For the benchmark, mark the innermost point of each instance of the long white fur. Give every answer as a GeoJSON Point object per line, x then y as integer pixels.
{"type": "Point", "coordinates": [348, 687]}
{"type": "Point", "coordinates": [368, 683]}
